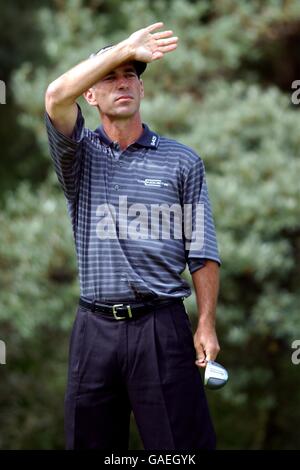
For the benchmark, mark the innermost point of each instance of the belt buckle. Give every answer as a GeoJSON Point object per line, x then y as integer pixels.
{"type": "Point", "coordinates": [115, 311]}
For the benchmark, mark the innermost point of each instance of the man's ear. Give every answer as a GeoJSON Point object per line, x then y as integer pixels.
{"type": "Point", "coordinates": [90, 97]}
{"type": "Point", "coordinates": [142, 88]}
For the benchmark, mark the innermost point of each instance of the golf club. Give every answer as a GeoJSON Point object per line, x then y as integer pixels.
{"type": "Point", "coordinates": [216, 376]}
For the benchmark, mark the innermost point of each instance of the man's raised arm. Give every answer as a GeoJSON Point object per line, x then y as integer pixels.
{"type": "Point", "coordinates": [61, 94]}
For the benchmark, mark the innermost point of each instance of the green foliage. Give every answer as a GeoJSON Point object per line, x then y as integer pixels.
{"type": "Point", "coordinates": [226, 93]}
{"type": "Point", "coordinates": [38, 289]}
{"type": "Point", "coordinates": [38, 272]}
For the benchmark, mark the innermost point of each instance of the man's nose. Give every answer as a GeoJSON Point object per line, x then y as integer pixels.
{"type": "Point", "coordinates": [122, 82]}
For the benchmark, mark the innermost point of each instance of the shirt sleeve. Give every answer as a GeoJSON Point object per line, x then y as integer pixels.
{"type": "Point", "coordinates": [199, 229]}
{"type": "Point", "coordinates": [67, 154]}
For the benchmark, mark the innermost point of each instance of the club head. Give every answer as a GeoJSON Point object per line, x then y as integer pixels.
{"type": "Point", "coordinates": [215, 376]}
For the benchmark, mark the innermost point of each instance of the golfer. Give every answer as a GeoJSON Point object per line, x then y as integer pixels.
{"type": "Point", "coordinates": [140, 213]}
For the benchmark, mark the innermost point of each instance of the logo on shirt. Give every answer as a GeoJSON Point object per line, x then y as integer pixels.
{"type": "Point", "coordinates": [153, 141]}
{"type": "Point", "coordinates": [153, 182]}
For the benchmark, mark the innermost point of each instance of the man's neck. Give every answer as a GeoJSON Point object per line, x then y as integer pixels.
{"type": "Point", "coordinates": [125, 131]}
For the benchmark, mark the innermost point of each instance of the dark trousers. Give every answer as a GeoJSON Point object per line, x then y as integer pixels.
{"type": "Point", "coordinates": [144, 365]}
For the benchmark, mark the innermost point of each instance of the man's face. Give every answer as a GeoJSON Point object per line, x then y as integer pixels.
{"type": "Point", "coordinates": [119, 93]}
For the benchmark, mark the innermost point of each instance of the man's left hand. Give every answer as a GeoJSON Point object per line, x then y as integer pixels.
{"type": "Point", "coordinates": [206, 345]}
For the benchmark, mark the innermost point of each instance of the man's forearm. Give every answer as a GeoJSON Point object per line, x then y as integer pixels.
{"type": "Point", "coordinates": [206, 284]}
{"type": "Point", "coordinates": [72, 84]}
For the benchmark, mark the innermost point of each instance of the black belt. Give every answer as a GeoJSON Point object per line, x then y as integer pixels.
{"type": "Point", "coordinates": [126, 311]}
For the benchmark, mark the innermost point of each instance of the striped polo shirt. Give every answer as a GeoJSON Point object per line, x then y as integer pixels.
{"type": "Point", "coordinates": [126, 209]}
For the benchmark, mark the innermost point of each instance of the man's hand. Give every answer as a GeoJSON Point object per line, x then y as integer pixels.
{"type": "Point", "coordinates": [147, 47]}
{"type": "Point", "coordinates": [206, 345]}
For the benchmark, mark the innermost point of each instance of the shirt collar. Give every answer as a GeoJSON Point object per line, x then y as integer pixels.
{"type": "Point", "coordinates": [148, 138]}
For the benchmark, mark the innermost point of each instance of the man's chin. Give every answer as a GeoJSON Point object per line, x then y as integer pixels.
{"type": "Point", "coordinates": [122, 114]}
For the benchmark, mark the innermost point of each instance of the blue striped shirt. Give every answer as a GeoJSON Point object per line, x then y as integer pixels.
{"type": "Point", "coordinates": [113, 197]}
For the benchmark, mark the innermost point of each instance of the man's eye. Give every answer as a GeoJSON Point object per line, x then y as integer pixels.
{"type": "Point", "coordinates": [109, 77]}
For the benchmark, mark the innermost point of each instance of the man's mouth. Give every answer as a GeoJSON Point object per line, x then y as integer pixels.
{"type": "Point", "coordinates": [124, 97]}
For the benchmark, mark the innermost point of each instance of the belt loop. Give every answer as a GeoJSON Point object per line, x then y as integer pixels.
{"type": "Point", "coordinates": [93, 305]}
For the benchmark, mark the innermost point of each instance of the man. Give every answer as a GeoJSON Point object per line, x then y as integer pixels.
{"type": "Point", "coordinates": [132, 347]}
